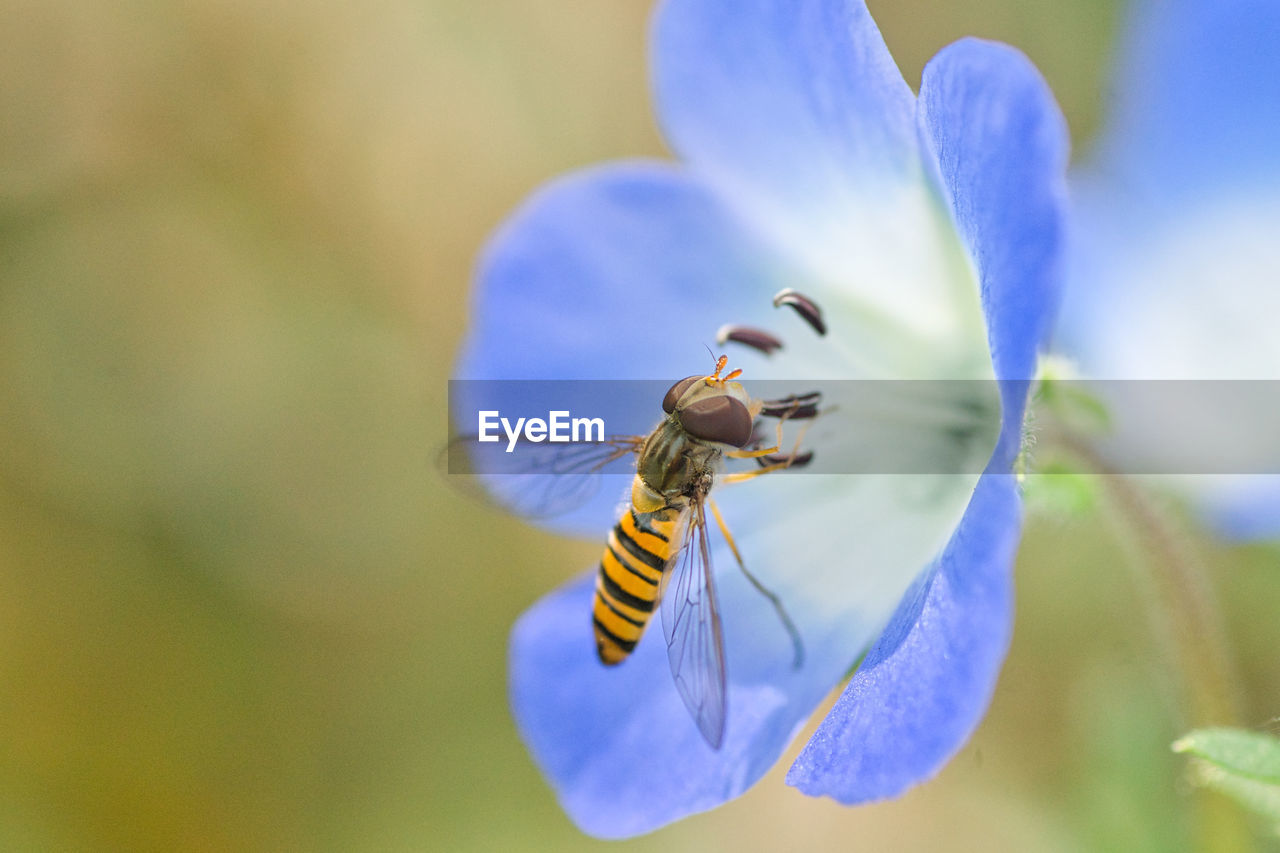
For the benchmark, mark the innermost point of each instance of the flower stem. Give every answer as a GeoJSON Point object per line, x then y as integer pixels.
{"type": "Point", "coordinates": [1186, 620]}
{"type": "Point", "coordinates": [1186, 613]}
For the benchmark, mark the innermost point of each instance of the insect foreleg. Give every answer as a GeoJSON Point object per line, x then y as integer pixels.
{"type": "Point", "coordinates": [770, 465]}
{"type": "Point", "coordinates": [752, 454]}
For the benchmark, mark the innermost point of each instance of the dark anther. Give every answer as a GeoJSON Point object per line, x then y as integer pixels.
{"type": "Point", "coordinates": [757, 339]}
{"type": "Point", "coordinates": [800, 413]}
{"type": "Point", "coordinates": [794, 407]}
{"type": "Point", "coordinates": [721, 419]}
{"type": "Point", "coordinates": [804, 306]}
{"type": "Point", "coordinates": [676, 392]}
{"type": "Point", "coordinates": [800, 460]}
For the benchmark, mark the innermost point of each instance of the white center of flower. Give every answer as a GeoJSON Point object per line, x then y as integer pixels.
{"type": "Point", "coordinates": [902, 304]}
{"type": "Point", "coordinates": [895, 280]}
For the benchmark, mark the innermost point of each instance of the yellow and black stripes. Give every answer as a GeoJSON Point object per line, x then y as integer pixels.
{"type": "Point", "coordinates": [627, 583]}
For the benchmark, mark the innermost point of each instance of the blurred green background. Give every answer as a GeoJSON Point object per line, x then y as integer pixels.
{"type": "Point", "coordinates": [240, 610]}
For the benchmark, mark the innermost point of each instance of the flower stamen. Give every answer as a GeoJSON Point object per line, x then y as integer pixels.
{"type": "Point", "coordinates": [798, 460]}
{"type": "Point", "coordinates": [803, 305]}
{"type": "Point", "coordinates": [794, 407]}
{"type": "Point", "coordinates": [757, 339]}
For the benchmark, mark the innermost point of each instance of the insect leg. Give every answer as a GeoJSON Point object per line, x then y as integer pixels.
{"type": "Point", "coordinates": [743, 476]}
{"type": "Point", "coordinates": [790, 626]}
{"type": "Point", "coordinates": [752, 454]}
{"type": "Point", "coordinates": [795, 458]}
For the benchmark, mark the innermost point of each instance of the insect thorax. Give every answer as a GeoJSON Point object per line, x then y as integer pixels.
{"type": "Point", "coordinates": [673, 466]}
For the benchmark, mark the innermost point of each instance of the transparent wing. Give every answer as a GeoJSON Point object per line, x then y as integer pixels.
{"type": "Point", "coordinates": [536, 479]}
{"type": "Point", "coordinates": [691, 623]}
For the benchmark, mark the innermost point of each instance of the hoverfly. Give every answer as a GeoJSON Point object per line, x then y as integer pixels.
{"type": "Point", "coordinates": [658, 553]}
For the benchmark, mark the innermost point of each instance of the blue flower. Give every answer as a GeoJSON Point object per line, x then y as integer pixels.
{"type": "Point", "coordinates": [928, 229]}
{"type": "Point", "coordinates": [1176, 217]}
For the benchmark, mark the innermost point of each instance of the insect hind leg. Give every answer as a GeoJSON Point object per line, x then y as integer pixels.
{"type": "Point", "coordinates": [792, 631]}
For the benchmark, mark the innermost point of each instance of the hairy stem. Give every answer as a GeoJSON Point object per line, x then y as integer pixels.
{"type": "Point", "coordinates": [1184, 602]}
{"type": "Point", "coordinates": [1187, 622]}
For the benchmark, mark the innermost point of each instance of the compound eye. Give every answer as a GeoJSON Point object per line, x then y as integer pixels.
{"type": "Point", "coordinates": [721, 419]}
{"type": "Point", "coordinates": [676, 392]}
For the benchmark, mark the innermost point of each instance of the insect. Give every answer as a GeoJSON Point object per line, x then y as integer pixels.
{"type": "Point", "coordinates": [658, 554]}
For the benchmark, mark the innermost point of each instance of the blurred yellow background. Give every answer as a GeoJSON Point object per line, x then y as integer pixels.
{"type": "Point", "coordinates": [240, 609]}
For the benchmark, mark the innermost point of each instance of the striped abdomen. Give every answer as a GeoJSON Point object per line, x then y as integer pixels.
{"type": "Point", "coordinates": [627, 583]}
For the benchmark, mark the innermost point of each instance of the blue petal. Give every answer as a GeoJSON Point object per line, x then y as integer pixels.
{"type": "Point", "coordinates": [618, 272]}
{"type": "Point", "coordinates": [1188, 159]}
{"type": "Point", "coordinates": [618, 744]}
{"type": "Point", "coordinates": [1001, 146]}
{"type": "Point", "coordinates": [1173, 263]}
{"type": "Point", "coordinates": [796, 108]}
{"type": "Point", "coordinates": [1197, 98]}
{"type": "Point", "coordinates": [922, 689]}
{"type": "Point", "coordinates": [796, 112]}
{"type": "Point", "coordinates": [1244, 508]}
{"type": "Point", "coordinates": [622, 751]}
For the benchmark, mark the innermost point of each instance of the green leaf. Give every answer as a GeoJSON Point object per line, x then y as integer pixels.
{"type": "Point", "coordinates": [1242, 764]}
{"type": "Point", "coordinates": [1058, 491]}
{"type": "Point", "coordinates": [1237, 751]}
